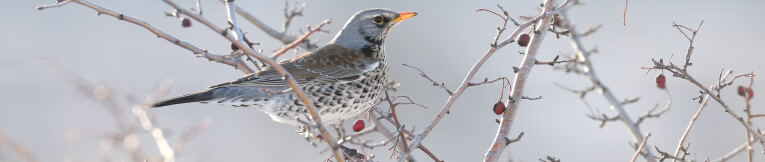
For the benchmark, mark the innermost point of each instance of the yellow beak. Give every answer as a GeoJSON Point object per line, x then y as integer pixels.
{"type": "Point", "coordinates": [404, 15]}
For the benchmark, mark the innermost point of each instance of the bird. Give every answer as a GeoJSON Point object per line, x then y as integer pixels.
{"type": "Point", "coordinates": [342, 78]}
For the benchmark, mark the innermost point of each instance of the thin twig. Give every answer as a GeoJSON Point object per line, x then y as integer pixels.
{"type": "Point", "coordinates": [397, 123]}
{"type": "Point", "coordinates": [290, 14]}
{"type": "Point", "coordinates": [737, 150]}
{"type": "Point", "coordinates": [431, 80]}
{"type": "Point", "coordinates": [281, 36]}
{"type": "Point", "coordinates": [748, 111]}
{"type": "Point", "coordinates": [407, 132]}
{"type": "Point", "coordinates": [690, 39]}
{"type": "Point", "coordinates": [236, 63]}
{"type": "Point", "coordinates": [638, 150]}
{"type": "Point", "coordinates": [299, 40]}
{"type": "Point", "coordinates": [651, 114]}
{"type": "Point", "coordinates": [688, 129]}
{"type": "Point", "coordinates": [24, 153]}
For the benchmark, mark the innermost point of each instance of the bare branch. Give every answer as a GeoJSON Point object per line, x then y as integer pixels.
{"type": "Point", "coordinates": [232, 61]}
{"type": "Point", "coordinates": [554, 61]}
{"type": "Point", "coordinates": [590, 30]}
{"type": "Point", "coordinates": [281, 36]}
{"type": "Point", "coordinates": [695, 116]}
{"type": "Point", "coordinates": [299, 40]}
{"type": "Point", "coordinates": [584, 60]}
{"type": "Point", "coordinates": [57, 4]}
{"type": "Point", "coordinates": [398, 125]}
{"type": "Point", "coordinates": [542, 24]}
{"type": "Point", "coordinates": [664, 155]}
{"type": "Point", "coordinates": [516, 139]}
{"type": "Point", "coordinates": [549, 159]}
{"type": "Point", "coordinates": [640, 148]}
{"type": "Point", "coordinates": [531, 98]}
{"type": "Point", "coordinates": [407, 132]}
{"type": "Point", "coordinates": [431, 80]}
{"type": "Point", "coordinates": [603, 118]}
{"type": "Point", "coordinates": [24, 153]}
{"type": "Point", "coordinates": [290, 14]}
{"type": "Point", "coordinates": [690, 39]}
{"type": "Point", "coordinates": [683, 73]}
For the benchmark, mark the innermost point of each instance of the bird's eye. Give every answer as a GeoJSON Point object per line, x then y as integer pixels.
{"type": "Point", "coordinates": [379, 19]}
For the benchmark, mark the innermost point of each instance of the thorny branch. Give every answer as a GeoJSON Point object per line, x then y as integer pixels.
{"type": "Point", "coordinates": [554, 61]}
{"type": "Point", "coordinates": [747, 98]}
{"type": "Point", "coordinates": [505, 17]}
{"type": "Point", "coordinates": [398, 125]}
{"type": "Point", "coordinates": [290, 14]}
{"type": "Point", "coordinates": [300, 39]}
{"type": "Point", "coordinates": [588, 70]}
{"type": "Point", "coordinates": [690, 39]}
{"type": "Point", "coordinates": [683, 73]}
{"type": "Point", "coordinates": [232, 61]}
{"type": "Point", "coordinates": [431, 80]}
{"type": "Point", "coordinates": [664, 155]}
{"type": "Point", "coordinates": [737, 150]}
{"type": "Point", "coordinates": [703, 104]}
{"type": "Point", "coordinates": [389, 118]}
{"type": "Point", "coordinates": [541, 24]}
{"type": "Point", "coordinates": [278, 35]}
{"type": "Point", "coordinates": [652, 114]}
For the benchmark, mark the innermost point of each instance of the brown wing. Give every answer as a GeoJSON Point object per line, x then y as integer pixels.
{"type": "Point", "coordinates": [327, 64]}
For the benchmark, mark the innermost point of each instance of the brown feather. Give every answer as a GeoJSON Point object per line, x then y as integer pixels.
{"type": "Point", "coordinates": [325, 64]}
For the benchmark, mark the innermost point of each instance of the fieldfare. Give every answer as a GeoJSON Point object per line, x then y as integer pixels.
{"type": "Point", "coordinates": [343, 78]}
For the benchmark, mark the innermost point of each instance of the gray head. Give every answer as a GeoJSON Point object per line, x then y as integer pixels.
{"type": "Point", "coordinates": [369, 26]}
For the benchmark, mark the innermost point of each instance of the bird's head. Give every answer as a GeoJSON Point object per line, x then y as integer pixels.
{"type": "Point", "coordinates": [369, 26]}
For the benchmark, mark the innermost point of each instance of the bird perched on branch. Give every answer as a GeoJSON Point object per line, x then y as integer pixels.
{"type": "Point", "coordinates": [343, 78]}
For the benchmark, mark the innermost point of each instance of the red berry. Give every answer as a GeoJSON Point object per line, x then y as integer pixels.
{"type": "Point", "coordinates": [661, 81]}
{"type": "Point", "coordinates": [742, 90]}
{"type": "Point", "coordinates": [499, 108]}
{"type": "Point", "coordinates": [185, 22]}
{"type": "Point", "coordinates": [358, 125]}
{"type": "Point", "coordinates": [523, 40]}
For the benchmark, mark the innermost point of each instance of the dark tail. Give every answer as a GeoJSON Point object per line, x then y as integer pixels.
{"type": "Point", "coordinates": [194, 97]}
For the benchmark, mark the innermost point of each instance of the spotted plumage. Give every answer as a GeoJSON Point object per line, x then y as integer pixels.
{"type": "Point", "coordinates": [342, 78]}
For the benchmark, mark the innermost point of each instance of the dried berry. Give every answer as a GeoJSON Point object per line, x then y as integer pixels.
{"type": "Point", "coordinates": [743, 91]}
{"type": "Point", "coordinates": [185, 22]}
{"type": "Point", "coordinates": [499, 108]}
{"type": "Point", "coordinates": [523, 40]}
{"type": "Point", "coordinates": [358, 125]}
{"type": "Point", "coordinates": [661, 81]}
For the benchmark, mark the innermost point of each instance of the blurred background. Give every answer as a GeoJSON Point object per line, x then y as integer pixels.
{"type": "Point", "coordinates": [48, 116]}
